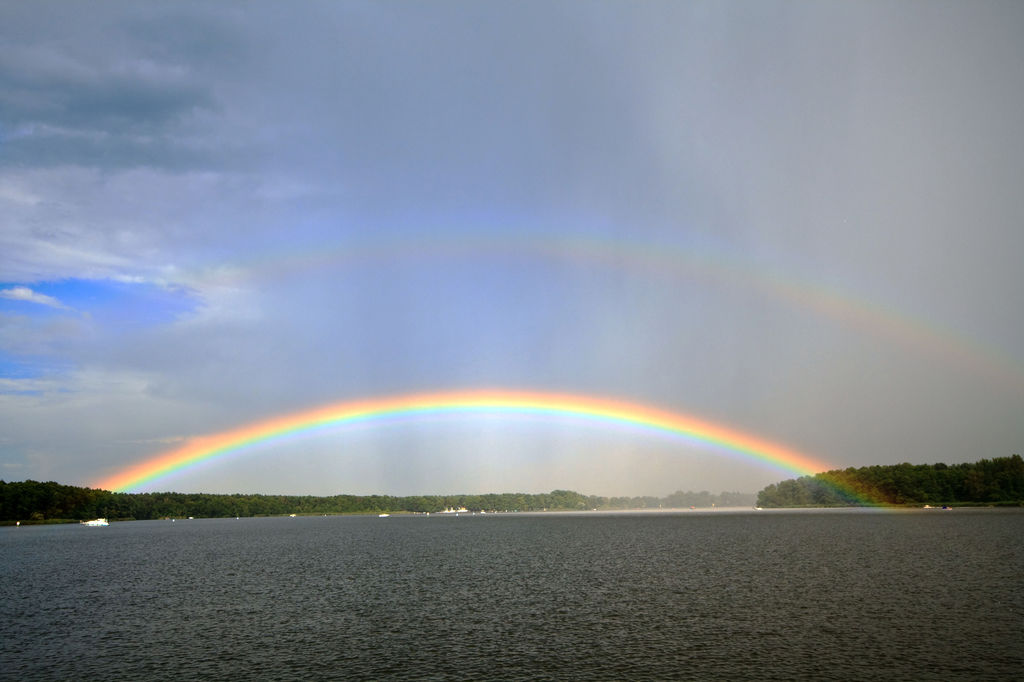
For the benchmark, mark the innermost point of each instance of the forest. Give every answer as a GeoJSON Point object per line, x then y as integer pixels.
{"type": "Point", "coordinates": [986, 482]}
{"type": "Point", "coordinates": [36, 502]}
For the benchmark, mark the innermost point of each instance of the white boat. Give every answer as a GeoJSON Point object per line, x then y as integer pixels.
{"type": "Point", "coordinates": [95, 522]}
{"type": "Point", "coordinates": [383, 516]}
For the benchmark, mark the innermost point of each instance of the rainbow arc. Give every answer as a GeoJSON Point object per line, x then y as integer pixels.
{"type": "Point", "coordinates": [502, 402]}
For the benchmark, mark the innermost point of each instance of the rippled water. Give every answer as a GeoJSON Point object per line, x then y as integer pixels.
{"type": "Point", "coordinates": [847, 594]}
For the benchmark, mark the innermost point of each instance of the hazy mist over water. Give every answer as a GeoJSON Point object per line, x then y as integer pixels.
{"type": "Point", "coordinates": [773, 595]}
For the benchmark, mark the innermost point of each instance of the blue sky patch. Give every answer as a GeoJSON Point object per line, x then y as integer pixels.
{"type": "Point", "coordinates": [135, 304]}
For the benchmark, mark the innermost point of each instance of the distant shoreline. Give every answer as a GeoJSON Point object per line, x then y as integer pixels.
{"type": "Point", "coordinates": [567, 512]}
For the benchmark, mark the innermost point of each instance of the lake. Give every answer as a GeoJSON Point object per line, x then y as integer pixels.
{"type": "Point", "coordinates": [761, 595]}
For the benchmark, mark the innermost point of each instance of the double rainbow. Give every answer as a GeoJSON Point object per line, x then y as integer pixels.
{"type": "Point", "coordinates": [599, 410]}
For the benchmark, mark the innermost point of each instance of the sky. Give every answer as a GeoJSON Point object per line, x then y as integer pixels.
{"type": "Point", "coordinates": [801, 220]}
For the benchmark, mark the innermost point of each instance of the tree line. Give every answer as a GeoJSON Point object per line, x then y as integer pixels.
{"type": "Point", "coordinates": [988, 481]}
{"type": "Point", "coordinates": [33, 501]}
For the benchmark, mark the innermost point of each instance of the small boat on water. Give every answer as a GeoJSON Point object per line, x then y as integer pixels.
{"type": "Point", "coordinates": [95, 522]}
{"type": "Point", "coordinates": [383, 516]}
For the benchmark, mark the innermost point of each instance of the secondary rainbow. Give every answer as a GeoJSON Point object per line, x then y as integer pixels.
{"type": "Point", "coordinates": [649, 260]}
{"type": "Point", "coordinates": [609, 411]}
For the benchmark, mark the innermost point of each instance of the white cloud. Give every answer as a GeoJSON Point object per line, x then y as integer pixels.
{"type": "Point", "coordinates": [30, 296]}
{"type": "Point", "coordinates": [26, 386]}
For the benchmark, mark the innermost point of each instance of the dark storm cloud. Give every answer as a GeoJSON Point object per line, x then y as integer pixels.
{"type": "Point", "coordinates": [124, 88]}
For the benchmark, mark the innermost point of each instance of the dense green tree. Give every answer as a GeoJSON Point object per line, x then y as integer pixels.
{"type": "Point", "coordinates": [32, 500]}
{"type": "Point", "coordinates": [988, 481]}
{"type": "Point", "coordinates": [999, 480]}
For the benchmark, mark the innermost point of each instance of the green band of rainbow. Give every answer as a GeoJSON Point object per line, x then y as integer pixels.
{"type": "Point", "coordinates": [492, 401]}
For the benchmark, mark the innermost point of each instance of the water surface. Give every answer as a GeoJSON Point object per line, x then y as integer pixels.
{"type": "Point", "coordinates": [773, 595]}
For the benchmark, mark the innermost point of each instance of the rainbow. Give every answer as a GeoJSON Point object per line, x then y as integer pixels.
{"type": "Point", "coordinates": [599, 410]}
